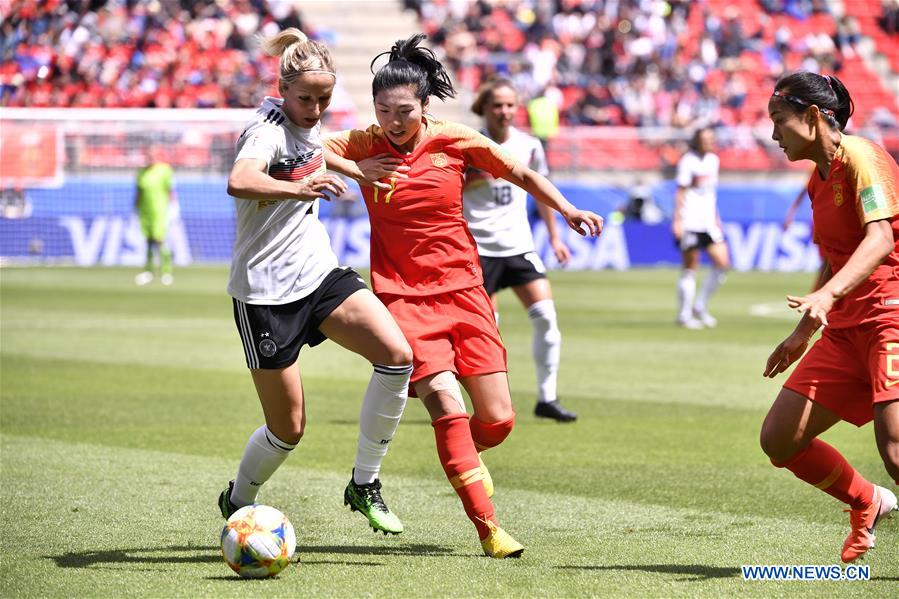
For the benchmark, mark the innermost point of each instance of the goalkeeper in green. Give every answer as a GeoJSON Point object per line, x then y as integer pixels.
{"type": "Point", "coordinates": [154, 193]}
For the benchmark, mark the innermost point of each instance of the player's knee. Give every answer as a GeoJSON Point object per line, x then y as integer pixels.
{"type": "Point", "coordinates": [289, 431]}
{"type": "Point", "coordinates": [490, 434]}
{"type": "Point", "coordinates": [401, 354]}
{"type": "Point", "coordinates": [396, 352]}
{"type": "Point", "coordinates": [776, 445]}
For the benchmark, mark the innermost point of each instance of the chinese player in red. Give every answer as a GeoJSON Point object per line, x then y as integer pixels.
{"type": "Point", "coordinates": [852, 372]}
{"type": "Point", "coordinates": [425, 267]}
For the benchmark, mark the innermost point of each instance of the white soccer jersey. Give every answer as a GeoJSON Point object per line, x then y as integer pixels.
{"type": "Point", "coordinates": [282, 252]}
{"type": "Point", "coordinates": [699, 176]}
{"type": "Point", "coordinates": [496, 210]}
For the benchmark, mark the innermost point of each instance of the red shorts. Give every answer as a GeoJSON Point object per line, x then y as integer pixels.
{"type": "Point", "coordinates": [454, 331]}
{"type": "Point", "coordinates": [848, 370]}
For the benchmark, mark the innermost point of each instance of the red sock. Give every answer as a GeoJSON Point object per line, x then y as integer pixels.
{"type": "Point", "coordinates": [460, 462]}
{"type": "Point", "coordinates": [489, 434]}
{"type": "Point", "coordinates": [822, 466]}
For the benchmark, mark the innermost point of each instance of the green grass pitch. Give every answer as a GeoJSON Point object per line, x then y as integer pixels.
{"type": "Point", "coordinates": [125, 410]}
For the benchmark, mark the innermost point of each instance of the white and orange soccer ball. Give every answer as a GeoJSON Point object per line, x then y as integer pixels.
{"type": "Point", "coordinates": [258, 541]}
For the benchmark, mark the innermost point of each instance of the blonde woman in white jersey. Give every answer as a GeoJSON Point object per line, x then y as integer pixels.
{"type": "Point", "coordinates": [288, 289]}
{"type": "Point", "coordinates": [497, 216]}
{"type": "Point", "coordinates": [696, 225]}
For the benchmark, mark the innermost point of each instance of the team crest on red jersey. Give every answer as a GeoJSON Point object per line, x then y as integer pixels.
{"type": "Point", "coordinates": [837, 194]}
{"type": "Point", "coordinates": [439, 159]}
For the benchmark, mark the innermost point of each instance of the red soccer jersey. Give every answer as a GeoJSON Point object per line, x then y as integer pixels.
{"type": "Point", "coordinates": [861, 187]}
{"type": "Point", "coordinates": [420, 243]}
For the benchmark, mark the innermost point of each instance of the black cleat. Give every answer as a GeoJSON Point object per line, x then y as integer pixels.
{"type": "Point", "coordinates": [554, 410]}
{"type": "Point", "coordinates": [225, 504]}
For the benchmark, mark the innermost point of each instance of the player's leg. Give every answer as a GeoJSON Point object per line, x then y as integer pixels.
{"type": "Point", "coordinates": [881, 348]}
{"type": "Point", "coordinates": [281, 395]}
{"type": "Point", "coordinates": [686, 284]}
{"type": "Point", "coordinates": [720, 258]}
{"type": "Point", "coordinates": [491, 423]}
{"type": "Point", "coordinates": [271, 338]}
{"type": "Point", "coordinates": [480, 360]}
{"type": "Point", "coordinates": [146, 276]}
{"type": "Point", "coordinates": [864, 518]}
{"type": "Point", "coordinates": [886, 432]}
{"type": "Point", "coordinates": [165, 263]}
{"type": "Point", "coordinates": [160, 229]}
{"type": "Point", "coordinates": [790, 439]}
{"type": "Point", "coordinates": [363, 325]}
{"type": "Point", "coordinates": [442, 397]}
{"type": "Point", "coordinates": [546, 346]}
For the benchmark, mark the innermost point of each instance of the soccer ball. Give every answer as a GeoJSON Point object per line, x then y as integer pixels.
{"type": "Point", "coordinates": [258, 541]}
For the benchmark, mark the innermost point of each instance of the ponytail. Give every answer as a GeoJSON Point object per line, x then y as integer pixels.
{"type": "Point", "coordinates": [411, 64]}
{"type": "Point", "coordinates": [298, 54]}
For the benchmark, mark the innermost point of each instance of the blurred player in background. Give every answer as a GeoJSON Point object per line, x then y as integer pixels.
{"type": "Point", "coordinates": [425, 267]}
{"type": "Point", "coordinates": [154, 195]}
{"type": "Point", "coordinates": [697, 226]}
{"type": "Point", "coordinates": [497, 215]}
{"type": "Point", "coordinates": [790, 216]}
{"type": "Point", "coordinates": [851, 372]}
{"type": "Point", "coordinates": [288, 289]}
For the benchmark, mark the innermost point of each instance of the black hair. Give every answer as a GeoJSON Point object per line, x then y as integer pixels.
{"type": "Point", "coordinates": [411, 64]}
{"type": "Point", "coordinates": [824, 91]}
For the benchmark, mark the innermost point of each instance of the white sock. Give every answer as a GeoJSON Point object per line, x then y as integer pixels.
{"type": "Point", "coordinates": [261, 457]}
{"type": "Point", "coordinates": [546, 346]}
{"type": "Point", "coordinates": [709, 286]}
{"type": "Point", "coordinates": [382, 407]}
{"type": "Point", "coordinates": [686, 291]}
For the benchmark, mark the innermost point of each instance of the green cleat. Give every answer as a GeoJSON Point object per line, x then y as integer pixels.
{"type": "Point", "coordinates": [367, 500]}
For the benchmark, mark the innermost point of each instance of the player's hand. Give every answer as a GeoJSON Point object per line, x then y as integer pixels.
{"type": "Point", "coordinates": [677, 229]}
{"type": "Point", "coordinates": [316, 187]}
{"type": "Point", "coordinates": [563, 254]}
{"type": "Point", "coordinates": [577, 219]}
{"type": "Point", "coordinates": [382, 166]}
{"type": "Point", "coordinates": [817, 304]}
{"type": "Point", "coordinates": [789, 350]}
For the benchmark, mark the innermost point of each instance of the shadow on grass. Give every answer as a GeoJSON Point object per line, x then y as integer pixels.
{"type": "Point", "coordinates": [401, 550]}
{"type": "Point", "coordinates": [692, 571]}
{"type": "Point", "coordinates": [176, 554]}
{"type": "Point", "coordinates": [196, 554]}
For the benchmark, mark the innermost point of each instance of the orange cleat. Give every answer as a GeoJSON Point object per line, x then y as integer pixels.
{"type": "Point", "coordinates": [862, 522]}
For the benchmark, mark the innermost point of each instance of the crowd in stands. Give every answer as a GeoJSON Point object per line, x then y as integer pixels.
{"type": "Point", "coordinates": [139, 53]}
{"type": "Point", "coordinates": [680, 63]}
{"type": "Point", "coordinates": [638, 62]}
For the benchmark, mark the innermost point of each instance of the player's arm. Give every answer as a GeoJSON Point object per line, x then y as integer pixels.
{"type": "Point", "coordinates": [791, 211]}
{"type": "Point", "coordinates": [545, 192]}
{"type": "Point", "coordinates": [563, 254]}
{"type": "Point", "coordinates": [249, 180]}
{"type": "Point", "coordinates": [677, 226]}
{"type": "Point", "coordinates": [368, 171]}
{"type": "Point", "coordinates": [791, 349]}
{"type": "Point", "coordinates": [876, 245]}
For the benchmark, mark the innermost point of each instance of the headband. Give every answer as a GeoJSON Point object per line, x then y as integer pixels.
{"type": "Point", "coordinates": [319, 71]}
{"type": "Point", "coordinates": [802, 102]}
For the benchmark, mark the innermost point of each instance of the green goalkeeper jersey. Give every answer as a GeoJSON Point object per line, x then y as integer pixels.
{"type": "Point", "coordinates": [154, 185]}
